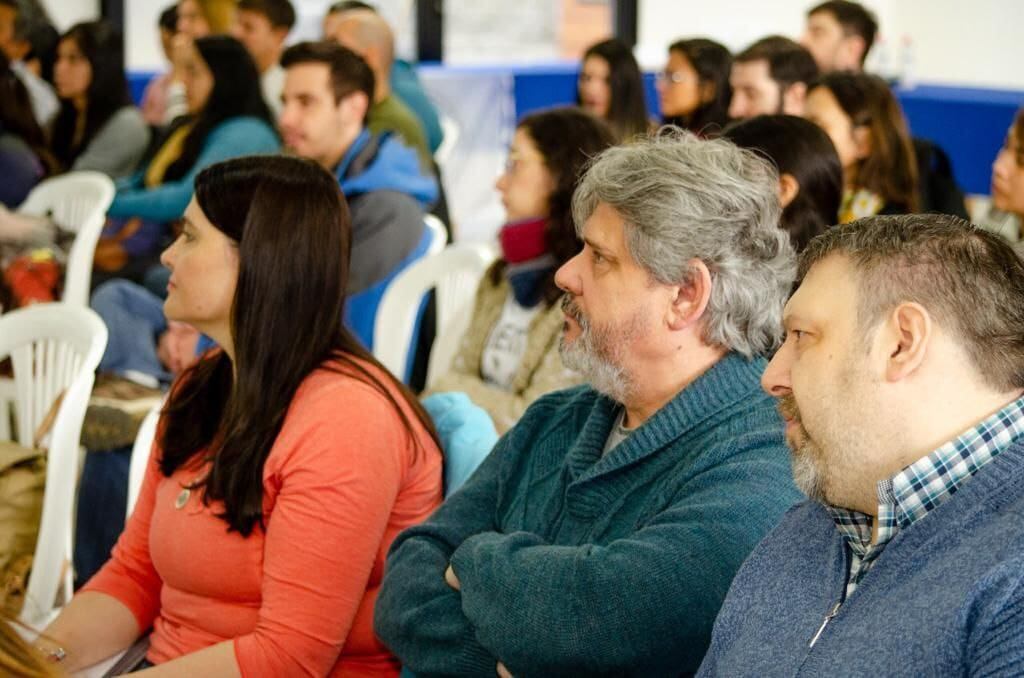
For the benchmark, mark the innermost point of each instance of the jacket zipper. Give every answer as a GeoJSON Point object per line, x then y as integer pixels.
{"type": "Point", "coordinates": [828, 617]}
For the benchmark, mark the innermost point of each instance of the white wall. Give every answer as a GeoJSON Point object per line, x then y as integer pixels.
{"type": "Point", "coordinates": [67, 13]}
{"type": "Point", "coordinates": [973, 43]}
{"type": "Point", "coordinates": [143, 52]}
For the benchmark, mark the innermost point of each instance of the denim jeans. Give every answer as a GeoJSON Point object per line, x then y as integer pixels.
{"type": "Point", "coordinates": [134, 317]}
{"type": "Point", "coordinates": [102, 501]}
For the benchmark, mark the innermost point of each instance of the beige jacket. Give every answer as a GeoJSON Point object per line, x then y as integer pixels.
{"type": "Point", "coordinates": [540, 372]}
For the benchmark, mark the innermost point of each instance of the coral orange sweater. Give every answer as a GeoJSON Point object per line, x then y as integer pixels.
{"type": "Point", "coordinates": [342, 480]}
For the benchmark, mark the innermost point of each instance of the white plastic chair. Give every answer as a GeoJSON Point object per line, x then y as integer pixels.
{"type": "Point", "coordinates": [77, 202]}
{"type": "Point", "coordinates": [454, 273]}
{"type": "Point", "coordinates": [54, 348]}
{"type": "Point", "coordinates": [140, 455]}
{"type": "Point", "coordinates": [438, 234]}
{"type": "Point", "coordinates": [450, 130]}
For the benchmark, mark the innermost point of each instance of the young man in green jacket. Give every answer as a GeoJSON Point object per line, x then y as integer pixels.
{"type": "Point", "coordinates": [601, 534]}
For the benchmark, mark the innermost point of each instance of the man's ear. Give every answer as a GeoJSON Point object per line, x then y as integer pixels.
{"type": "Point", "coordinates": [691, 298]}
{"type": "Point", "coordinates": [794, 98]}
{"type": "Point", "coordinates": [907, 334]}
{"type": "Point", "coordinates": [355, 105]}
{"type": "Point", "coordinates": [854, 48]}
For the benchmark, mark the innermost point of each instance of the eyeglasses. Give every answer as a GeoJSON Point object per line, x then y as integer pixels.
{"type": "Point", "coordinates": [672, 77]}
{"type": "Point", "coordinates": [515, 158]}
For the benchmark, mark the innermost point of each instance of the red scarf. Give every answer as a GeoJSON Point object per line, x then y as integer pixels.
{"type": "Point", "coordinates": [523, 240]}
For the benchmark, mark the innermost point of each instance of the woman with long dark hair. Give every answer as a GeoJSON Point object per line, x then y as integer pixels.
{"type": "Point", "coordinates": [611, 87]}
{"type": "Point", "coordinates": [286, 460]}
{"type": "Point", "coordinates": [97, 128]}
{"type": "Point", "coordinates": [694, 88]}
{"type": "Point", "coordinates": [228, 118]}
{"type": "Point", "coordinates": [508, 356]}
{"type": "Point", "coordinates": [864, 120]}
{"type": "Point", "coordinates": [810, 175]}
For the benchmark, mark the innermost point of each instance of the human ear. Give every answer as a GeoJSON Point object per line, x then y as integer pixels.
{"type": "Point", "coordinates": [862, 141]}
{"type": "Point", "coordinates": [691, 298]}
{"type": "Point", "coordinates": [794, 98]}
{"type": "Point", "coordinates": [908, 333]}
{"type": "Point", "coordinates": [789, 188]}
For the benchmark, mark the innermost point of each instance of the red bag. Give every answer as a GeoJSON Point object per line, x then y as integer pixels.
{"type": "Point", "coordinates": [33, 278]}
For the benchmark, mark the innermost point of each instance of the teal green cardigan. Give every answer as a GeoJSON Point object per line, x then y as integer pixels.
{"type": "Point", "coordinates": [574, 563]}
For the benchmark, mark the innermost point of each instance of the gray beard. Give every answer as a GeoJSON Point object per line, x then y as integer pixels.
{"type": "Point", "coordinates": [604, 376]}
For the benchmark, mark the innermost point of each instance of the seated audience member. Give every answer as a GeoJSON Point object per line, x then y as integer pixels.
{"type": "Point", "coordinates": [17, 20]}
{"type": "Point", "coordinates": [509, 355]}
{"type": "Point", "coordinates": [612, 88]}
{"type": "Point", "coordinates": [328, 90]}
{"type": "Point", "coordinates": [285, 462]}
{"type": "Point", "coordinates": [228, 119]}
{"type": "Point", "coordinates": [368, 35]}
{"type": "Point", "coordinates": [694, 87]}
{"type": "Point", "coordinates": [901, 381]}
{"type": "Point", "coordinates": [839, 34]}
{"type": "Point", "coordinates": [154, 103]}
{"type": "Point", "coordinates": [24, 158]}
{"type": "Point", "coordinates": [97, 128]}
{"type": "Point", "coordinates": [601, 534]}
{"type": "Point", "coordinates": [1008, 184]}
{"type": "Point", "coordinates": [771, 77]}
{"type": "Point", "coordinates": [200, 18]}
{"type": "Point", "coordinates": [810, 176]}
{"type": "Point", "coordinates": [405, 83]}
{"type": "Point", "coordinates": [262, 26]}
{"type": "Point", "coordinates": [865, 123]}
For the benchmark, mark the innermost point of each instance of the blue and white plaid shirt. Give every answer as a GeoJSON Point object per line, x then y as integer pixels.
{"type": "Point", "coordinates": [910, 494]}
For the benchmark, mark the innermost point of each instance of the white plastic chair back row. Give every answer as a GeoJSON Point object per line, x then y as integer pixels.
{"type": "Point", "coordinates": [77, 202]}
{"type": "Point", "coordinates": [450, 131]}
{"type": "Point", "coordinates": [140, 455]}
{"type": "Point", "coordinates": [438, 234]}
{"type": "Point", "coordinates": [54, 348]}
{"type": "Point", "coordinates": [454, 273]}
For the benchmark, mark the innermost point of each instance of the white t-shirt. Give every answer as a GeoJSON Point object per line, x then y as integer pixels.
{"type": "Point", "coordinates": [618, 432]}
{"type": "Point", "coordinates": [506, 344]}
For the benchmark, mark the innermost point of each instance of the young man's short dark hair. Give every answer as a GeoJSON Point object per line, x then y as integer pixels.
{"type": "Point", "coordinates": [169, 18]}
{"type": "Point", "coordinates": [279, 13]}
{"type": "Point", "coordinates": [349, 72]}
{"type": "Point", "coordinates": [788, 61]}
{"type": "Point", "coordinates": [349, 5]}
{"type": "Point", "coordinates": [854, 18]}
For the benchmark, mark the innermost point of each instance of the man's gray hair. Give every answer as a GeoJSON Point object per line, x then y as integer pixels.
{"type": "Point", "coordinates": [684, 198]}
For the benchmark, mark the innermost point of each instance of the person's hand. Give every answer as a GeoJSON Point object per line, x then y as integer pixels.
{"type": "Point", "coordinates": [503, 672]}
{"type": "Point", "coordinates": [176, 348]}
{"type": "Point", "coordinates": [451, 579]}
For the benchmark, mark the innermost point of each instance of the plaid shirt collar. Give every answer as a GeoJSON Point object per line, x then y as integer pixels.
{"type": "Point", "coordinates": [910, 494]}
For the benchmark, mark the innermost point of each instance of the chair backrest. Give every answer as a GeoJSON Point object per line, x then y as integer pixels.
{"type": "Point", "coordinates": [54, 349]}
{"type": "Point", "coordinates": [450, 129]}
{"type": "Point", "coordinates": [438, 234]}
{"type": "Point", "coordinates": [140, 455]}
{"type": "Point", "coordinates": [454, 273]}
{"type": "Point", "coordinates": [77, 202]}
{"type": "Point", "coordinates": [361, 307]}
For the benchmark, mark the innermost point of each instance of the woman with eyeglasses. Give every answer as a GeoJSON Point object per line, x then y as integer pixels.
{"type": "Point", "coordinates": [508, 356]}
{"type": "Point", "coordinates": [611, 87]}
{"type": "Point", "coordinates": [694, 89]}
